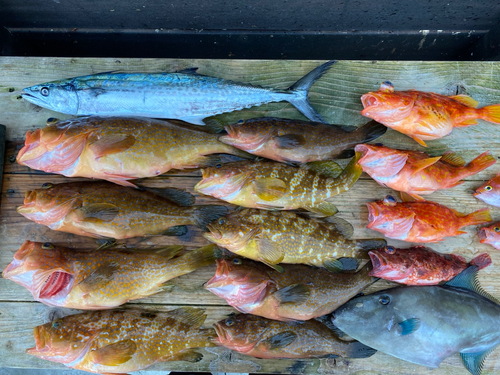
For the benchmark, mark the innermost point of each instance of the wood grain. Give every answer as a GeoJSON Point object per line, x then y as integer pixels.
{"type": "Point", "coordinates": [336, 97]}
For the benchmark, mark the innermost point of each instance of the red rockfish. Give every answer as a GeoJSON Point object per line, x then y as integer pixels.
{"type": "Point", "coordinates": [491, 235]}
{"type": "Point", "coordinates": [490, 191]}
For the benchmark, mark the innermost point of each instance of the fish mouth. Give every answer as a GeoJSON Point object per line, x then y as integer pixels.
{"type": "Point", "coordinates": [222, 335]}
{"type": "Point", "coordinates": [364, 150]}
{"type": "Point", "coordinates": [40, 346]}
{"type": "Point", "coordinates": [221, 274]}
{"type": "Point", "coordinates": [373, 213]}
{"type": "Point", "coordinates": [483, 234]}
{"type": "Point", "coordinates": [369, 101]}
{"type": "Point", "coordinates": [378, 261]}
{"type": "Point", "coordinates": [32, 98]}
{"type": "Point", "coordinates": [32, 143]}
{"type": "Point", "coordinates": [215, 233]}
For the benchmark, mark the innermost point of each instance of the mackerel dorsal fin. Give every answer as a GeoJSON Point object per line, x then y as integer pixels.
{"type": "Point", "coordinates": [474, 362]}
{"type": "Point", "coordinates": [467, 279]}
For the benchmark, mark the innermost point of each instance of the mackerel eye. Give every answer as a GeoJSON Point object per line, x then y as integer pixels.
{"type": "Point", "coordinates": [488, 188]}
{"type": "Point", "coordinates": [237, 261]}
{"type": "Point", "coordinates": [390, 249]}
{"type": "Point", "coordinates": [47, 185]}
{"type": "Point", "coordinates": [229, 322]}
{"type": "Point", "coordinates": [44, 91]}
{"type": "Point", "coordinates": [222, 221]}
{"type": "Point", "coordinates": [384, 300]}
{"type": "Point", "coordinates": [496, 229]}
{"type": "Point", "coordinates": [47, 246]}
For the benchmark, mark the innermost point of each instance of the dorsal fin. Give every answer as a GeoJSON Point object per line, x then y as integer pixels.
{"type": "Point", "coordinates": [465, 100]}
{"type": "Point", "coordinates": [467, 279]}
{"type": "Point", "coordinates": [326, 169]}
{"type": "Point", "coordinates": [452, 158]}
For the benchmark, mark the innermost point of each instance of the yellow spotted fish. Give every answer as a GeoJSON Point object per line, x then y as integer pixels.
{"type": "Point", "coordinates": [103, 279]}
{"type": "Point", "coordinates": [273, 185]}
{"type": "Point", "coordinates": [121, 341]}
{"type": "Point", "coordinates": [274, 237]}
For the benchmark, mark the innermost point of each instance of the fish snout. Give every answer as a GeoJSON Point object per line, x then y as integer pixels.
{"type": "Point", "coordinates": [373, 213]}
{"type": "Point", "coordinates": [377, 261]}
{"type": "Point", "coordinates": [484, 234]}
{"type": "Point", "coordinates": [214, 232]}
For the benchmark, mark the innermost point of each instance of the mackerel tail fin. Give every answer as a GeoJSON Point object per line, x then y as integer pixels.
{"type": "Point", "coordinates": [359, 350]}
{"type": "Point", "coordinates": [369, 131]}
{"type": "Point", "coordinates": [490, 113]}
{"type": "Point", "coordinates": [204, 215]}
{"type": "Point", "coordinates": [301, 88]}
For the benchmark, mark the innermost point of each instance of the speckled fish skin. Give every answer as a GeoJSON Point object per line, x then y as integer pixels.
{"type": "Point", "coordinates": [424, 115]}
{"type": "Point", "coordinates": [273, 185]}
{"type": "Point", "coordinates": [117, 149]}
{"type": "Point", "coordinates": [420, 265]}
{"type": "Point", "coordinates": [103, 209]}
{"type": "Point", "coordinates": [297, 141]}
{"type": "Point", "coordinates": [425, 324]}
{"type": "Point", "coordinates": [58, 276]}
{"type": "Point", "coordinates": [121, 341]}
{"type": "Point", "coordinates": [489, 192]}
{"type": "Point", "coordinates": [422, 221]}
{"type": "Point", "coordinates": [416, 173]}
{"type": "Point", "coordinates": [275, 237]}
{"type": "Point", "coordinates": [490, 235]}
{"type": "Point", "coordinates": [265, 338]}
{"type": "Point", "coordinates": [299, 293]}
{"type": "Point", "coordinates": [185, 95]}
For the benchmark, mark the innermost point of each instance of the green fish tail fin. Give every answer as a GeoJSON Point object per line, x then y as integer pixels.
{"type": "Point", "coordinates": [363, 246]}
{"type": "Point", "coordinates": [198, 258]}
{"type": "Point", "coordinates": [359, 350]}
{"type": "Point", "coordinates": [204, 215]}
{"type": "Point", "coordinates": [369, 131]}
{"type": "Point", "coordinates": [348, 177]}
{"type": "Point", "coordinates": [301, 89]}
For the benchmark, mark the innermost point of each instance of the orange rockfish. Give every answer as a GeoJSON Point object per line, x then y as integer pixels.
{"type": "Point", "coordinates": [57, 276]}
{"type": "Point", "coordinates": [271, 185]}
{"type": "Point", "coordinates": [424, 115]}
{"type": "Point", "coordinates": [299, 293]}
{"type": "Point", "coordinates": [273, 237]}
{"type": "Point", "coordinates": [421, 221]}
{"type": "Point", "coordinates": [491, 235]}
{"type": "Point", "coordinates": [118, 149]}
{"type": "Point", "coordinates": [416, 173]}
{"type": "Point", "coordinates": [298, 141]}
{"type": "Point", "coordinates": [122, 341]}
{"type": "Point", "coordinates": [420, 265]}
{"type": "Point", "coordinates": [103, 209]}
{"type": "Point", "coordinates": [489, 192]}
{"type": "Point", "coordinates": [265, 338]}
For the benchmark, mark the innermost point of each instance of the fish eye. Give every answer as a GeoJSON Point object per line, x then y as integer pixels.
{"type": "Point", "coordinates": [222, 221]}
{"type": "Point", "coordinates": [229, 322]}
{"type": "Point", "coordinates": [379, 144]}
{"type": "Point", "coordinates": [56, 324]}
{"type": "Point", "coordinates": [51, 120]}
{"type": "Point", "coordinates": [47, 245]}
{"type": "Point", "coordinates": [385, 299]}
{"type": "Point", "coordinates": [496, 229]}
{"type": "Point", "coordinates": [390, 199]}
{"type": "Point", "coordinates": [240, 121]}
{"type": "Point", "coordinates": [47, 185]}
{"type": "Point", "coordinates": [218, 165]}
{"type": "Point", "coordinates": [237, 261]}
{"type": "Point", "coordinates": [44, 91]}
{"type": "Point", "coordinates": [488, 188]}
{"type": "Point", "coordinates": [390, 249]}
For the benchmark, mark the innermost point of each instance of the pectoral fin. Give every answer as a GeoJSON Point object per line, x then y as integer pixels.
{"type": "Point", "coordinates": [270, 252]}
{"type": "Point", "coordinates": [409, 326]}
{"type": "Point", "coordinates": [296, 293]}
{"type": "Point", "coordinates": [97, 211]}
{"type": "Point", "coordinates": [290, 141]}
{"type": "Point", "coordinates": [178, 230]}
{"type": "Point", "coordinates": [111, 144]}
{"type": "Point", "coordinates": [341, 264]}
{"type": "Point", "coordinates": [278, 341]}
{"type": "Point", "coordinates": [422, 164]}
{"type": "Point", "coordinates": [270, 189]}
{"type": "Point", "coordinates": [99, 278]}
{"type": "Point", "coordinates": [191, 316]}
{"type": "Point", "coordinates": [114, 354]}
{"type": "Point", "coordinates": [418, 140]}
{"type": "Point", "coordinates": [323, 209]}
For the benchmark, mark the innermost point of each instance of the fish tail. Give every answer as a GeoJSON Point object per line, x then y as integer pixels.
{"type": "Point", "coordinates": [479, 217]}
{"type": "Point", "coordinates": [359, 350]}
{"type": "Point", "coordinates": [301, 88]}
{"type": "Point", "coordinates": [490, 113]}
{"type": "Point", "coordinates": [236, 152]}
{"type": "Point", "coordinates": [483, 161]}
{"type": "Point", "coordinates": [363, 246]}
{"type": "Point", "coordinates": [369, 131]}
{"type": "Point", "coordinates": [204, 215]}
{"type": "Point", "coordinates": [481, 261]}
{"type": "Point", "coordinates": [198, 258]}
{"type": "Point", "coordinates": [349, 175]}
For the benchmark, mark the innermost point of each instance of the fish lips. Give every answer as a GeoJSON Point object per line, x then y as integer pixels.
{"type": "Point", "coordinates": [374, 213]}
{"type": "Point", "coordinates": [380, 263]}
{"type": "Point", "coordinates": [34, 97]}
{"type": "Point", "coordinates": [487, 235]}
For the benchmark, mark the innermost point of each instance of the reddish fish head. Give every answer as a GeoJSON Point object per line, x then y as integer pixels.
{"type": "Point", "coordinates": [389, 262]}
{"type": "Point", "coordinates": [43, 270]}
{"type": "Point", "coordinates": [380, 161]}
{"type": "Point", "coordinates": [52, 149]}
{"type": "Point", "coordinates": [49, 204]}
{"type": "Point", "coordinates": [247, 135]}
{"type": "Point", "coordinates": [62, 340]}
{"type": "Point", "coordinates": [490, 235]}
{"type": "Point", "coordinates": [387, 105]}
{"type": "Point", "coordinates": [490, 192]}
{"type": "Point", "coordinates": [222, 181]}
{"type": "Point", "coordinates": [240, 282]}
{"type": "Point", "coordinates": [240, 332]}
{"type": "Point", "coordinates": [392, 219]}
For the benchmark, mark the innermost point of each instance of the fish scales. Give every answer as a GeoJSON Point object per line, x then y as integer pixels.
{"type": "Point", "coordinates": [120, 341]}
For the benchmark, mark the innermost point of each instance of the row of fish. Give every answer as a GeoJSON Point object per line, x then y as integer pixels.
{"type": "Point", "coordinates": [285, 288]}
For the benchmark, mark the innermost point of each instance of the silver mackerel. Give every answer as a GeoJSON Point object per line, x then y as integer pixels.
{"type": "Point", "coordinates": [184, 95]}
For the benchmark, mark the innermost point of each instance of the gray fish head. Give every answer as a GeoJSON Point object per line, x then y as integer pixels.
{"type": "Point", "coordinates": [59, 96]}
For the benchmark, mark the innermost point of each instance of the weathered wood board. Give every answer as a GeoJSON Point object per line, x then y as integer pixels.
{"type": "Point", "coordinates": [336, 97]}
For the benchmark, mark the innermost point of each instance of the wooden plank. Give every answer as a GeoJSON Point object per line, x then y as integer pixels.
{"type": "Point", "coordinates": [17, 320]}
{"type": "Point", "coordinates": [336, 96]}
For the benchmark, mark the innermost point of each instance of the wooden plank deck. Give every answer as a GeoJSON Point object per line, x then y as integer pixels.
{"type": "Point", "coordinates": [336, 97]}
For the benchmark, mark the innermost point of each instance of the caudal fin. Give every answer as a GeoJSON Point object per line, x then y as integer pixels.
{"type": "Point", "coordinates": [371, 244]}
{"type": "Point", "coordinates": [481, 216]}
{"type": "Point", "coordinates": [370, 131]}
{"type": "Point", "coordinates": [481, 261]}
{"type": "Point", "coordinates": [483, 161]}
{"type": "Point", "coordinates": [359, 350]}
{"type": "Point", "coordinates": [349, 175]}
{"type": "Point", "coordinates": [301, 88]}
{"type": "Point", "coordinates": [198, 258]}
{"type": "Point", "coordinates": [490, 113]}
{"type": "Point", "coordinates": [204, 215]}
